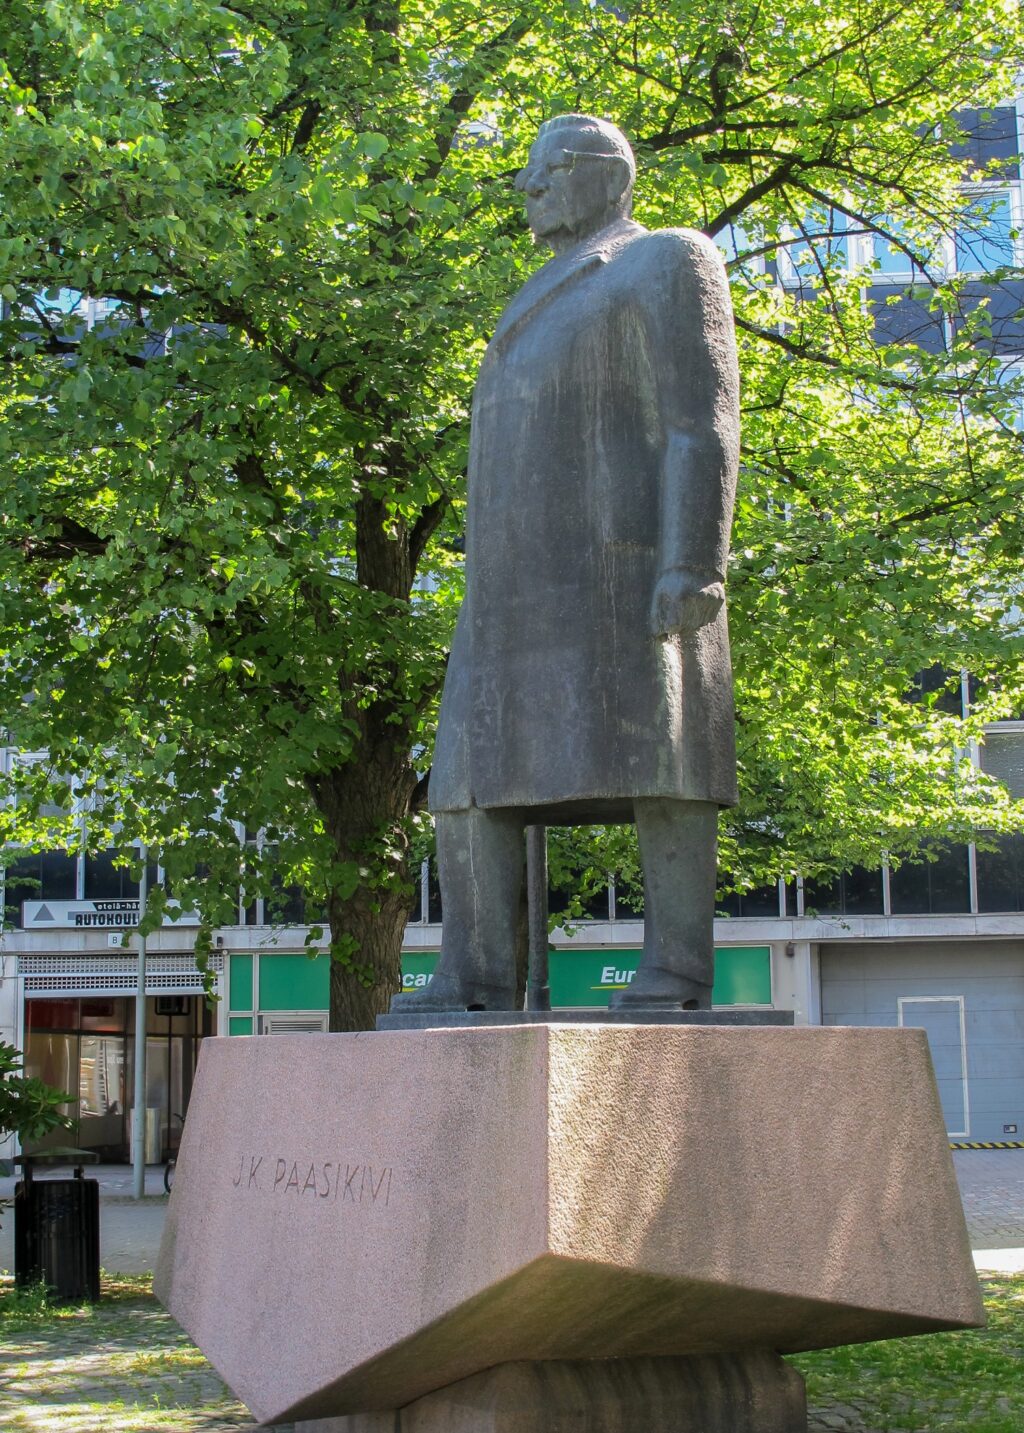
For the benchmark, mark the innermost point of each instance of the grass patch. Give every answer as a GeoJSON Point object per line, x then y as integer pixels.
{"type": "Point", "coordinates": [172, 1360]}
{"type": "Point", "coordinates": [33, 1307]}
{"type": "Point", "coordinates": [970, 1382]}
{"type": "Point", "coordinates": [122, 1365]}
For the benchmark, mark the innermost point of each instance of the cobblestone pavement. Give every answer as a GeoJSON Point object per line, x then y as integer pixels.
{"type": "Point", "coordinates": [992, 1188]}
{"type": "Point", "coordinates": [840, 1418]}
{"type": "Point", "coordinates": [845, 1418]}
{"type": "Point", "coordinates": [121, 1367]}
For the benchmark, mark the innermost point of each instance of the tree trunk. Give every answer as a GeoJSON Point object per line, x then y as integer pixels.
{"type": "Point", "coordinates": [363, 990]}
{"type": "Point", "coordinates": [366, 804]}
{"type": "Point", "coordinates": [365, 807]}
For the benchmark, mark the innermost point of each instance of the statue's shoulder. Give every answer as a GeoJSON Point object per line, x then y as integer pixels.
{"type": "Point", "coordinates": [674, 271]}
{"type": "Point", "coordinates": [675, 250]}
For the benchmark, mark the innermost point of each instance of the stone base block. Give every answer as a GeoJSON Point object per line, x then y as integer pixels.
{"type": "Point", "coordinates": [477, 1019]}
{"type": "Point", "coordinates": [360, 1220]}
{"type": "Point", "coordinates": [739, 1393]}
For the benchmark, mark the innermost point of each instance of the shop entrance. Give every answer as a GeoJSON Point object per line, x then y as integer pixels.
{"type": "Point", "coordinates": [87, 1047]}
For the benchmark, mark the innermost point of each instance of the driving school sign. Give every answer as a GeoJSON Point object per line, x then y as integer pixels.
{"type": "Point", "coordinates": [92, 915]}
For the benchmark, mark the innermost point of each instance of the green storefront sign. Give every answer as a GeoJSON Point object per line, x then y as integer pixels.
{"type": "Point", "coordinates": [286, 981]}
{"type": "Point", "coordinates": [586, 978]}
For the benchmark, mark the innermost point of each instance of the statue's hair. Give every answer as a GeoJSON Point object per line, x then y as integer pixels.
{"type": "Point", "coordinates": [608, 139]}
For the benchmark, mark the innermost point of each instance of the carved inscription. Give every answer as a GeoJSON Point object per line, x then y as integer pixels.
{"type": "Point", "coordinates": [338, 1181]}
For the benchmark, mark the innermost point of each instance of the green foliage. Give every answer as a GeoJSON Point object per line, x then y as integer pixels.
{"type": "Point", "coordinates": [967, 1380]}
{"type": "Point", "coordinates": [218, 495]}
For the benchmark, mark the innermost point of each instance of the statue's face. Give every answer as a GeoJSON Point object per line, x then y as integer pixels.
{"type": "Point", "coordinates": [568, 193]}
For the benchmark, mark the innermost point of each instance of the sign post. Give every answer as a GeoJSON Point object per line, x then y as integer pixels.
{"type": "Point", "coordinates": [139, 1119]}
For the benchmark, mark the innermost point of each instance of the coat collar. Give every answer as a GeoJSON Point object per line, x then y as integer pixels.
{"type": "Point", "coordinates": [568, 268]}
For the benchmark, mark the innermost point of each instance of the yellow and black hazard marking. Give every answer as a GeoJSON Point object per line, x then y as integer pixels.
{"type": "Point", "coordinates": [987, 1144]}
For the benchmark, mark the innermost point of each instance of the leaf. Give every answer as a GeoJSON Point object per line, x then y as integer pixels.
{"type": "Point", "coordinates": [373, 145]}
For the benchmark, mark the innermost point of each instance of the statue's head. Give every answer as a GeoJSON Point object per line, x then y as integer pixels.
{"type": "Point", "coordinates": [579, 177]}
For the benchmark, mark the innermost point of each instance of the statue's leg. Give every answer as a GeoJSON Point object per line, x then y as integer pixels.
{"type": "Point", "coordinates": [678, 848]}
{"type": "Point", "coordinates": [480, 869]}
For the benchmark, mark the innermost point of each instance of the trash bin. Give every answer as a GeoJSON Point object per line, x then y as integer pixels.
{"type": "Point", "coordinates": [57, 1228]}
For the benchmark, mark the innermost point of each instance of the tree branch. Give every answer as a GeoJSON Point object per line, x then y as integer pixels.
{"type": "Point", "coordinates": [424, 528]}
{"type": "Point", "coordinates": [476, 70]}
{"type": "Point", "coordinates": [306, 126]}
{"type": "Point", "coordinates": [778, 177]}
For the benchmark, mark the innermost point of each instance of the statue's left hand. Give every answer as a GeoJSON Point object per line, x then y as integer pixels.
{"type": "Point", "coordinates": [684, 601]}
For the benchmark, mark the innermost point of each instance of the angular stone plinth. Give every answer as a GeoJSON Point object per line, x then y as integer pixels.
{"type": "Point", "coordinates": [719, 1393]}
{"type": "Point", "coordinates": [359, 1220]}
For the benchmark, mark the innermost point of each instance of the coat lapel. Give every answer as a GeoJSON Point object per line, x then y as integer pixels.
{"type": "Point", "coordinates": [558, 274]}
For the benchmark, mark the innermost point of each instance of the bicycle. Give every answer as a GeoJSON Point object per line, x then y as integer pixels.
{"type": "Point", "coordinates": [172, 1160]}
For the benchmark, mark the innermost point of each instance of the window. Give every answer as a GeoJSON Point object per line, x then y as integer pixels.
{"type": "Point", "coordinates": [1001, 875]}
{"type": "Point", "coordinates": [731, 241]}
{"type": "Point", "coordinates": [938, 688]}
{"type": "Point", "coordinates": [45, 876]}
{"type": "Point", "coordinates": [997, 396]}
{"type": "Point", "coordinates": [820, 242]}
{"type": "Point", "coordinates": [735, 245]}
{"type": "Point", "coordinates": [433, 898]}
{"type": "Point", "coordinates": [891, 251]}
{"type": "Point", "coordinates": [984, 241]}
{"type": "Point", "coordinates": [101, 309]}
{"type": "Point", "coordinates": [1002, 756]}
{"type": "Point", "coordinates": [857, 892]}
{"type": "Point", "coordinates": [86, 1046]}
{"type": "Point", "coordinates": [106, 882]}
{"type": "Point", "coordinates": [593, 907]}
{"type": "Point", "coordinates": [285, 905]}
{"type": "Point", "coordinates": [937, 887]}
{"type": "Point", "coordinates": [629, 904]}
{"type": "Point", "coordinates": [760, 901]}
{"type": "Point", "coordinates": [61, 301]}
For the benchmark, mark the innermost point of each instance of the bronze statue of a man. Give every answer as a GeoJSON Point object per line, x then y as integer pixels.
{"type": "Point", "coordinates": [589, 678]}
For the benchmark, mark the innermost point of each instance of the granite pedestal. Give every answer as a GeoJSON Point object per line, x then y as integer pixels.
{"type": "Point", "coordinates": [360, 1222]}
{"type": "Point", "coordinates": [723, 1393]}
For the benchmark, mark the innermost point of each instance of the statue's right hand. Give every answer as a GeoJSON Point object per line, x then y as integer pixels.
{"type": "Point", "coordinates": [683, 602]}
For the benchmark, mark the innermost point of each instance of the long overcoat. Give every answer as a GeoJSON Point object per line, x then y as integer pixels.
{"type": "Point", "coordinates": [603, 454]}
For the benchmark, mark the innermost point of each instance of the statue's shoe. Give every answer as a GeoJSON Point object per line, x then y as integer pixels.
{"type": "Point", "coordinates": [654, 988]}
{"type": "Point", "coordinates": [448, 992]}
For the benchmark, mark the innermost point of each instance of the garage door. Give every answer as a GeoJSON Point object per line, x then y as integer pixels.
{"type": "Point", "coordinates": [942, 1019]}
{"type": "Point", "coordinates": [969, 998]}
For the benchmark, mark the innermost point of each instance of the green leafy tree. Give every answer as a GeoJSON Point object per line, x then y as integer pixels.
{"type": "Point", "coordinates": [222, 491]}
